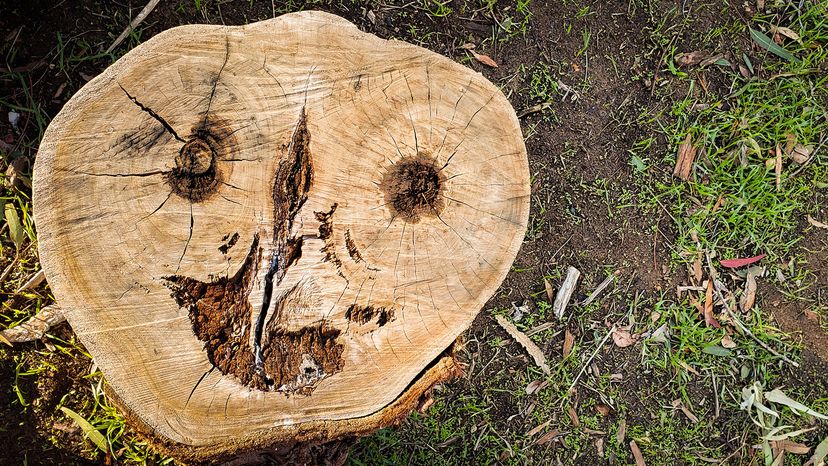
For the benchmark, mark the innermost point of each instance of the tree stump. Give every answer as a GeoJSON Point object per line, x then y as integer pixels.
{"type": "Point", "coordinates": [270, 236]}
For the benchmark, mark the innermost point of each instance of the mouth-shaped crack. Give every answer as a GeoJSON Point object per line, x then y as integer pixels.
{"type": "Point", "coordinates": [277, 358]}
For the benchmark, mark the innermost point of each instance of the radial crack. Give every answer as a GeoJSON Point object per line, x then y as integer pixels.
{"type": "Point", "coordinates": [151, 113]}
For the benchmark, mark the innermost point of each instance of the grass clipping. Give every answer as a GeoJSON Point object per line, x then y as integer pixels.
{"type": "Point", "coordinates": [530, 346]}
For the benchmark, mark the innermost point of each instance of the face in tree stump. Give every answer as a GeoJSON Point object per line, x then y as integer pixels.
{"type": "Point", "coordinates": [273, 232]}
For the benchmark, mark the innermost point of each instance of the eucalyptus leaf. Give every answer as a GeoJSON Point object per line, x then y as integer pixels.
{"type": "Point", "coordinates": [92, 433]}
{"type": "Point", "coordinates": [778, 396]}
{"type": "Point", "coordinates": [768, 44]}
{"type": "Point", "coordinates": [716, 350]}
{"type": "Point", "coordinates": [820, 453]}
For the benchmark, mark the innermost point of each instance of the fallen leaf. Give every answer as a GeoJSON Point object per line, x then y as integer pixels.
{"type": "Point", "coordinates": [727, 342]}
{"type": "Point", "coordinates": [599, 447]}
{"type": "Point", "coordinates": [569, 342]}
{"type": "Point", "coordinates": [622, 432]}
{"type": "Point", "coordinates": [603, 409]}
{"type": "Point", "coordinates": [800, 154]}
{"type": "Point", "coordinates": [778, 168]}
{"type": "Point", "coordinates": [622, 338]}
{"type": "Point", "coordinates": [768, 44]}
{"type": "Point", "coordinates": [548, 437]}
{"type": "Point", "coordinates": [639, 458]}
{"type": "Point", "coordinates": [778, 396]}
{"type": "Point", "coordinates": [538, 428]}
{"type": "Point", "coordinates": [718, 59]}
{"type": "Point", "coordinates": [820, 453]}
{"type": "Point", "coordinates": [16, 232]}
{"type": "Point", "coordinates": [684, 159]}
{"type": "Point", "coordinates": [550, 293]}
{"type": "Point", "coordinates": [661, 334]}
{"type": "Point", "coordinates": [735, 263]}
{"type": "Point", "coordinates": [690, 58]}
{"type": "Point", "coordinates": [535, 386]}
{"type": "Point", "coordinates": [787, 32]}
{"type": "Point", "coordinates": [749, 295]}
{"type": "Point", "coordinates": [468, 46]}
{"type": "Point", "coordinates": [485, 59]}
{"type": "Point", "coordinates": [817, 223]}
{"type": "Point", "coordinates": [524, 341]}
{"type": "Point", "coordinates": [790, 142]}
{"type": "Point", "coordinates": [678, 404]}
{"type": "Point", "coordinates": [716, 350]}
{"type": "Point", "coordinates": [791, 447]}
{"type": "Point", "coordinates": [573, 416]}
{"type": "Point", "coordinates": [708, 306]}
{"type": "Point", "coordinates": [811, 315]}
{"type": "Point", "coordinates": [697, 269]}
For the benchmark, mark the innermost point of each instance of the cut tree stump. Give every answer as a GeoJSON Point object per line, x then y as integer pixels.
{"type": "Point", "coordinates": [270, 236]}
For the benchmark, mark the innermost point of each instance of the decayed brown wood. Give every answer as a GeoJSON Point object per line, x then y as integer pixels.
{"type": "Point", "coordinates": [268, 235]}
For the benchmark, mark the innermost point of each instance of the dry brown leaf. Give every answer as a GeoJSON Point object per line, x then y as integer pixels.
{"type": "Point", "coordinates": [708, 306]}
{"type": "Point", "coordinates": [817, 223]}
{"type": "Point", "coordinates": [535, 386]}
{"type": "Point", "coordinates": [697, 269]}
{"type": "Point", "coordinates": [485, 59]}
{"type": "Point", "coordinates": [727, 342]}
{"type": "Point", "coordinates": [684, 159]}
{"type": "Point", "coordinates": [569, 342]}
{"type": "Point", "coordinates": [538, 428]}
{"type": "Point", "coordinates": [621, 433]}
{"type": "Point", "coordinates": [790, 446]}
{"type": "Point", "coordinates": [573, 416]}
{"type": "Point", "coordinates": [811, 315]}
{"type": "Point", "coordinates": [599, 446]}
{"type": "Point", "coordinates": [684, 409]}
{"type": "Point", "coordinates": [603, 409]}
{"type": "Point", "coordinates": [524, 341]}
{"type": "Point", "coordinates": [790, 142]}
{"type": "Point", "coordinates": [749, 296]}
{"type": "Point", "coordinates": [468, 46]}
{"type": "Point", "coordinates": [639, 458]}
{"type": "Point", "coordinates": [690, 58]}
{"type": "Point", "coordinates": [548, 437]}
{"type": "Point", "coordinates": [787, 32]}
{"type": "Point", "coordinates": [622, 338]}
{"type": "Point", "coordinates": [801, 154]}
{"type": "Point", "coordinates": [550, 293]}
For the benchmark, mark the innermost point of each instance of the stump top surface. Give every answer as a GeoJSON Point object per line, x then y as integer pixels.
{"type": "Point", "coordinates": [260, 227]}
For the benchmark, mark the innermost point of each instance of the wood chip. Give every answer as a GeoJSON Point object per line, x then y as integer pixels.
{"type": "Point", "coordinates": [684, 159]}
{"type": "Point", "coordinates": [565, 293]}
{"type": "Point", "coordinates": [569, 342]}
{"type": "Point", "coordinates": [639, 458]}
{"type": "Point", "coordinates": [524, 341]}
{"type": "Point", "coordinates": [35, 327]}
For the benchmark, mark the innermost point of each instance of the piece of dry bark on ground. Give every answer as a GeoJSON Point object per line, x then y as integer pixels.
{"type": "Point", "coordinates": [523, 340]}
{"type": "Point", "coordinates": [565, 292]}
{"type": "Point", "coordinates": [270, 236]}
{"type": "Point", "coordinates": [684, 159]}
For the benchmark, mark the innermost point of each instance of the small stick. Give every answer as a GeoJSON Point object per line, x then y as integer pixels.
{"type": "Point", "coordinates": [134, 24]}
{"type": "Point", "coordinates": [35, 327]}
{"type": "Point", "coordinates": [600, 288]}
{"type": "Point", "coordinates": [742, 327]}
{"type": "Point", "coordinates": [600, 345]}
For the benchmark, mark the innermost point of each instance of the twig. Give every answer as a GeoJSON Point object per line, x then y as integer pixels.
{"type": "Point", "coordinates": [732, 316]}
{"type": "Point", "coordinates": [600, 288]}
{"type": "Point", "coordinates": [133, 24]}
{"type": "Point", "coordinates": [35, 327]}
{"type": "Point", "coordinates": [600, 345]}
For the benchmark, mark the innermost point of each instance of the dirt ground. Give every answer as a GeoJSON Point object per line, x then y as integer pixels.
{"type": "Point", "coordinates": [589, 211]}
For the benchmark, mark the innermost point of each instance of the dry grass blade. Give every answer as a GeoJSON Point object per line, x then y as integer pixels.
{"type": "Point", "coordinates": [524, 341]}
{"type": "Point", "coordinates": [538, 428]}
{"type": "Point", "coordinates": [90, 432]}
{"type": "Point", "coordinates": [684, 159]}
